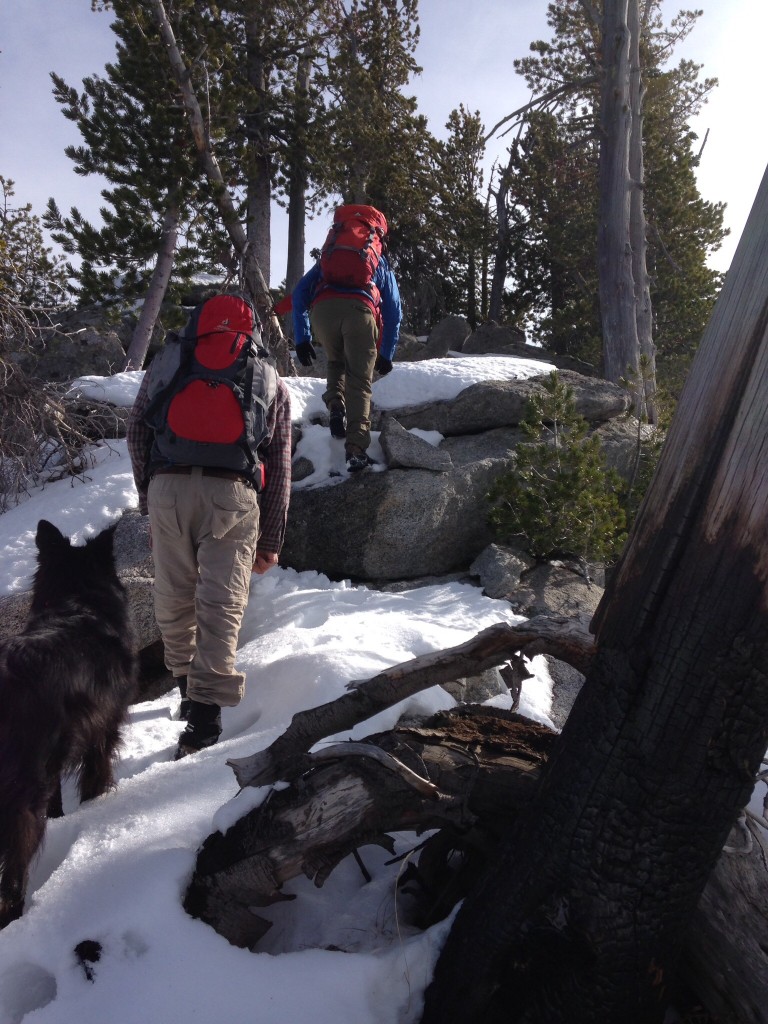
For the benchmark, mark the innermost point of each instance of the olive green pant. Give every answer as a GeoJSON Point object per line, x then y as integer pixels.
{"type": "Point", "coordinates": [347, 330]}
{"type": "Point", "coordinates": [204, 534]}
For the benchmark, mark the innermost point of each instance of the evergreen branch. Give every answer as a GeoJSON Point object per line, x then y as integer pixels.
{"type": "Point", "coordinates": [541, 102]}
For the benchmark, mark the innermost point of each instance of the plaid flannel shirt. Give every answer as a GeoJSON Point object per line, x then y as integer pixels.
{"type": "Point", "coordinates": [275, 454]}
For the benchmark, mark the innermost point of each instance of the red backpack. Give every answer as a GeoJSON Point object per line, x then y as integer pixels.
{"type": "Point", "coordinates": [353, 248]}
{"type": "Point", "coordinates": [210, 389]}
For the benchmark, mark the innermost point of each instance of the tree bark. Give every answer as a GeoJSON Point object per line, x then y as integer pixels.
{"type": "Point", "coordinates": [646, 405]}
{"type": "Point", "coordinates": [662, 745]}
{"type": "Point", "coordinates": [158, 285]}
{"type": "Point", "coordinates": [254, 282]}
{"type": "Point", "coordinates": [499, 275]}
{"type": "Point", "coordinates": [259, 185]}
{"type": "Point", "coordinates": [298, 177]}
{"type": "Point", "coordinates": [614, 252]}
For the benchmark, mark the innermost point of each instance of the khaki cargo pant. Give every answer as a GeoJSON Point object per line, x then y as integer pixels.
{"type": "Point", "coordinates": [204, 534]}
{"type": "Point", "coordinates": [347, 330]}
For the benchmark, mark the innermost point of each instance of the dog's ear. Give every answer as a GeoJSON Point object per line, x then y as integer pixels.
{"type": "Point", "coordinates": [48, 538]}
{"type": "Point", "coordinates": [103, 542]}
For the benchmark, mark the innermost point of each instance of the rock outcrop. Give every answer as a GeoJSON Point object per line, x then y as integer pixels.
{"type": "Point", "coordinates": [424, 518]}
{"type": "Point", "coordinates": [427, 515]}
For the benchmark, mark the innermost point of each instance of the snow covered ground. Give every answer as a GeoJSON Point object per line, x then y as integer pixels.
{"type": "Point", "coordinates": [114, 871]}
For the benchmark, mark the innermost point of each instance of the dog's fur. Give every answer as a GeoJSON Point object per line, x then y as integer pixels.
{"type": "Point", "coordinates": [65, 685]}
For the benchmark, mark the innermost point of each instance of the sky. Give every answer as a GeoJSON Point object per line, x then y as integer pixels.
{"type": "Point", "coordinates": [466, 51]}
{"type": "Point", "coordinates": [115, 870]}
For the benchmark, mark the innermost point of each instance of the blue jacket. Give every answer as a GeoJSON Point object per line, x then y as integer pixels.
{"type": "Point", "coordinates": [391, 309]}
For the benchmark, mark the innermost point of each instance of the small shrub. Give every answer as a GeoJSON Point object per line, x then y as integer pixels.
{"type": "Point", "coordinates": [560, 497]}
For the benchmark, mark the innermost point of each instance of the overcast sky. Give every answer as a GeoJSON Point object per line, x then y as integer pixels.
{"type": "Point", "coordinates": [466, 50]}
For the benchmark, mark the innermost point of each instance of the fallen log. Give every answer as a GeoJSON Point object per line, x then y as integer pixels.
{"type": "Point", "coordinates": [466, 770]}
{"type": "Point", "coordinates": [566, 639]}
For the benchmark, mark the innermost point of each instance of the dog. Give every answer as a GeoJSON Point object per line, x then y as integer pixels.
{"type": "Point", "coordinates": [66, 683]}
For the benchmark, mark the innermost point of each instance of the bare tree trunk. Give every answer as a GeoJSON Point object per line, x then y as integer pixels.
{"type": "Point", "coordinates": [259, 214]}
{"type": "Point", "coordinates": [259, 186]}
{"type": "Point", "coordinates": [502, 246]}
{"type": "Point", "coordinates": [254, 281]}
{"type": "Point", "coordinates": [472, 290]}
{"type": "Point", "coordinates": [637, 226]}
{"type": "Point", "coordinates": [583, 917]}
{"type": "Point", "coordinates": [484, 284]}
{"type": "Point", "coordinates": [297, 189]}
{"type": "Point", "coordinates": [614, 252]}
{"type": "Point", "coordinates": [158, 285]}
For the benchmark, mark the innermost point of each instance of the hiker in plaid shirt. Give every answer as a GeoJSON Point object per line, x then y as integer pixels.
{"type": "Point", "coordinates": [209, 531]}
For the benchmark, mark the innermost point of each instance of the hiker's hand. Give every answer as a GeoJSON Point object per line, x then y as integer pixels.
{"type": "Point", "coordinates": [264, 562]}
{"type": "Point", "coordinates": [382, 365]}
{"type": "Point", "coordinates": [305, 353]}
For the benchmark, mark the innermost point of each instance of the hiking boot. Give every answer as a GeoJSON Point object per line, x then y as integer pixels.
{"type": "Point", "coordinates": [356, 459]}
{"type": "Point", "coordinates": [186, 703]}
{"type": "Point", "coordinates": [203, 729]}
{"type": "Point", "coordinates": [338, 420]}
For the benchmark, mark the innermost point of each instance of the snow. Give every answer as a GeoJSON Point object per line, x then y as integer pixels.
{"type": "Point", "coordinates": [114, 871]}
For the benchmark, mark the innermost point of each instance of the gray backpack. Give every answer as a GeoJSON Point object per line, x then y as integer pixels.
{"type": "Point", "coordinates": [210, 389]}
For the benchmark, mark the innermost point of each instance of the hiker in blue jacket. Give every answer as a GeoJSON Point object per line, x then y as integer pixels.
{"type": "Point", "coordinates": [359, 330]}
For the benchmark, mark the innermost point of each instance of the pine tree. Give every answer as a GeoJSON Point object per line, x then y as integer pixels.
{"type": "Point", "coordinates": [157, 220]}
{"type": "Point", "coordinates": [375, 148]}
{"type": "Point", "coordinates": [366, 112]}
{"type": "Point", "coordinates": [264, 59]}
{"type": "Point", "coordinates": [552, 210]}
{"type": "Point", "coordinates": [31, 275]}
{"type": "Point", "coordinates": [560, 497]}
{"type": "Point", "coordinates": [463, 215]}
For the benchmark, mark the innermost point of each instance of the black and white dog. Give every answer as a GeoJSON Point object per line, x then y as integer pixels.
{"type": "Point", "coordinates": [65, 685]}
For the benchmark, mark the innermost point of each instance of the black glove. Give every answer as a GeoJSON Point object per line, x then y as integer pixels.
{"type": "Point", "coordinates": [382, 365]}
{"type": "Point", "coordinates": [305, 353]}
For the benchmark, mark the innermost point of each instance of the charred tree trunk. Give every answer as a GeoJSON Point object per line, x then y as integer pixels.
{"type": "Point", "coordinates": [583, 918]}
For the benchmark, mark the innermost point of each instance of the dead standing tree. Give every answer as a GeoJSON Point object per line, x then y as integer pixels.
{"type": "Point", "coordinates": [583, 916]}
{"type": "Point", "coordinates": [625, 302]}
